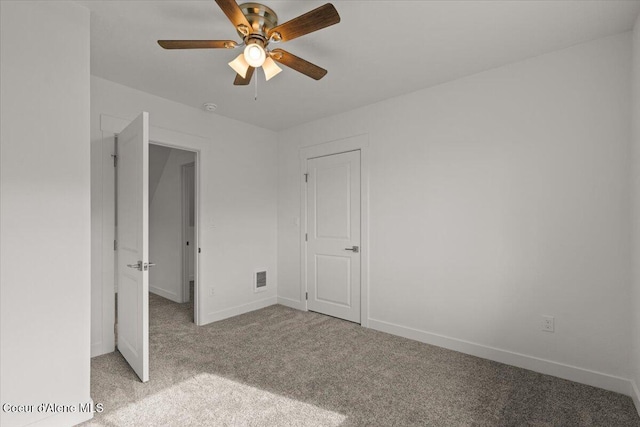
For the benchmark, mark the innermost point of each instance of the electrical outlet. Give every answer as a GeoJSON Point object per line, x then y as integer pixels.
{"type": "Point", "coordinates": [212, 291]}
{"type": "Point", "coordinates": [548, 323]}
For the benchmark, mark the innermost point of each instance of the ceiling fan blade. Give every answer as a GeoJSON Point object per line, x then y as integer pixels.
{"type": "Point", "coordinates": [298, 64]}
{"type": "Point", "coordinates": [235, 15]}
{"type": "Point", "coordinates": [197, 44]}
{"type": "Point", "coordinates": [315, 20]}
{"type": "Point", "coordinates": [239, 81]}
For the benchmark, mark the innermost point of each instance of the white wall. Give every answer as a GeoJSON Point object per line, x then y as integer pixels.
{"type": "Point", "coordinates": [635, 300]}
{"type": "Point", "coordinates": [45, 209]}
{"type": "Point", "coordinates": [494, 199]}
{"type": "Point", "coordinates": [238, 202]}
{"type": "Point", "coordinates": [158, 156]}
{"type": "Point", "coordinates": [165, 228]}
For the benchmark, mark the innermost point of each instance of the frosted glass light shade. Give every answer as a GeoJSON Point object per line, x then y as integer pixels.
{"type": "Point", "coordinates": [254, 54]}
{"type": "Point", "coordinates": [240, 66]}
{"type": "Point", "coordinates": [270, 68]}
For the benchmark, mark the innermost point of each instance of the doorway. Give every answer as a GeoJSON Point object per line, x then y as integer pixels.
{"type": "Point", "coordinates": [126, 264]}
{"type": "Point", "coordinates": [172, 223]}
{"type": "Point", "coordinates": [340, 227]}
{"type": "Point", "coordinates": [153, 204]}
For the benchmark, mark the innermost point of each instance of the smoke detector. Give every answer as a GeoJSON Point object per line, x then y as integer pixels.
{"type": "Point", "coordinates": [209, 106]}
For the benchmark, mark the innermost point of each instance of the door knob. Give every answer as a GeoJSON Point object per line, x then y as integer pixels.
{"type": "Point", "coordinates": [355, 249]}
{"type": "Point", "coordinates": [142, 266]}
{"type": "Point", "coordinates": [137, 266]}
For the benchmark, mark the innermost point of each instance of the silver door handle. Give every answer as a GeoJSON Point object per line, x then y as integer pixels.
{"type": "Point", "coordinates": [142, 266]}
{"type": "Point", "coordinates": [355, 249]}
{"type": "Point", "coordinates": [137, 266]}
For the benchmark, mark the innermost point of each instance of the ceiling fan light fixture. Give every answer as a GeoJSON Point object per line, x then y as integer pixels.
{"type": "Point", "coordinates": [257, 26]}
{"type": "Point", "coordinates": [240, 65]}
{"type": "Point", "coordinates": [254, 54]}
{"type": "Point", "coordinates": [270, 68]}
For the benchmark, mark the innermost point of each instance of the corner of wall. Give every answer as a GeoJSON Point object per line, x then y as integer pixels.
{"type": "Point", "coordinates": [635, 200]}
{"type": "Point", "coordinates": [226, 313]}
{"type": "Point", "coordinates": [291, 303]}
{"type": "Point", "coordinates": [635, 395]}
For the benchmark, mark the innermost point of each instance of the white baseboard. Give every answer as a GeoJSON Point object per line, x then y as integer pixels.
{"type": "Point", "coordinates": [635, 395]}
{"type": "Point", "coordinates": [240, 309]}
{"type": "Point", "coordinates": [288, 302]}
{"type": "Point", "coordinates": [99, 349]}
{"type": "Point", "coordinates": [165, 294]}
{"type": "Point", "coordinates": [548, 367]}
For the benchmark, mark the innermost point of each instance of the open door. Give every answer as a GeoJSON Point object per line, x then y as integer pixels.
{"type": "Point", "coordinates": [132, 262]}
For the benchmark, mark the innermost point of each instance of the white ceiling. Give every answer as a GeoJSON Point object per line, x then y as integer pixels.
{"type": "Point", "coordinates": [379, 50]}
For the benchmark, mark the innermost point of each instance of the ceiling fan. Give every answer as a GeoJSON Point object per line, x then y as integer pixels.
{"type": "Point", "coordinates": [258, 27]}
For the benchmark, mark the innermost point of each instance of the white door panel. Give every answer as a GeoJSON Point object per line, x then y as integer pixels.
{"type": "Point", "coordinates": [333, 280]}
{"type": "Point", "coordinates": [333, 225]}
{"type": "Point", "coordinates": [333, 207]}
{"type": "Point", "coordinates": [133, 244]}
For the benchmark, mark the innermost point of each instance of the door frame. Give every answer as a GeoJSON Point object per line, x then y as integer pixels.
{"type": "Point", "coordinates": [353, 143]}
{"type": "Point", "coordinates": [110, 126]}
{"type": "Point", "coordinates": [185, 216]}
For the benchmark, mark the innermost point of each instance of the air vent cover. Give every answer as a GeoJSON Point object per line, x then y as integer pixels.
{"type": "Point", "coordinates": [261, 280]}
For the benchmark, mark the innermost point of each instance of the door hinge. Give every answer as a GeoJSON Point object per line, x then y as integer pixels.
{"type": "Point", "coordinates": [306, 295]}
{"type": "Point", "coordinates": [115, 245]}
{"type": "Point", "coordinates": [115, 160]}
{"type": "Point", "coordinates": [306, 177]}
{"type": "Point", "coordinates": [306, 237]}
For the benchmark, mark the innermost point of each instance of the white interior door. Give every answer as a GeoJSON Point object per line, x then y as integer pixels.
{"type": "Point", "coordinates": [133, 244]}
{"type": "Point", "coordinates": [333, 235]}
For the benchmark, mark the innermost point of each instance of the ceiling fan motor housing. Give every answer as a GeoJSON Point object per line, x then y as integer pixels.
{"type": "Point", "coordinates": [261, 18]}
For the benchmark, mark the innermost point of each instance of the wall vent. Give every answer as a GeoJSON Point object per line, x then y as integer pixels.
{"type": "Point", "coordinates": [260, 280]}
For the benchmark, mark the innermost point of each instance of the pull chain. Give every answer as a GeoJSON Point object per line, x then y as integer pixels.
{"type": "Point", "coordinates": [257, 77]}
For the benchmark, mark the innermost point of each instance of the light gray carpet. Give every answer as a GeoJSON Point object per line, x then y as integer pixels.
{"type": "Point", "coordinates": [282, 367]}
